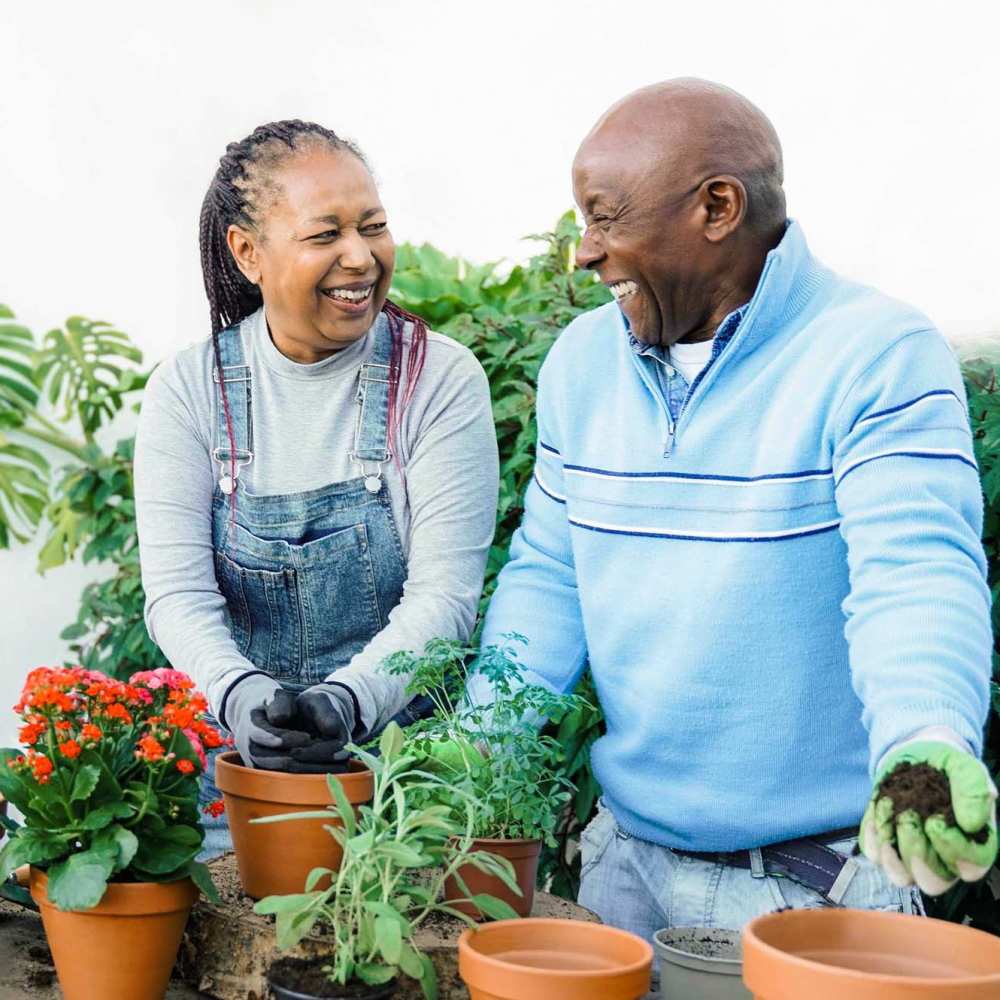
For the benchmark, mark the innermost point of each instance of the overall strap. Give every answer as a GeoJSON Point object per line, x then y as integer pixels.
{"type": "Point", "coordinates": [371, 435]}
{"type": "Point", "coordinates": [236, 375]}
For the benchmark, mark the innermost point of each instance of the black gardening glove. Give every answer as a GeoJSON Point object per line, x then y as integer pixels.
{"type": "Point", "coordinates": [261, 742]}
{"type": "Point", "coordinates": [329, 714]}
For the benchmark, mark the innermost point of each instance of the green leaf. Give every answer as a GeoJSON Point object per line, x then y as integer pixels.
{"type": "Point", "coordinates": [34, 847]}
{"type": "Point", "coordinates": [292, 903]}
{"type": "Point", "coordinates": [201, 876]}
{"type": "Point", "coordinates": [372, 974]}
{"type": "Point", "coordinates": [79, 882]}
{"type": "Point", "coordinates": [391, 742]}
{"type": "Point", "coordinates": [100, 817]}
{"type": "Point", "coordinates": [409, 961]}
{"type": "Point", "coordinates": [389, 938]}
{"type": "Point", "coordinates": [316, 876]}
{"type": "Point", "coordinates": [495, 908]}
{"type": "Point", "coordinates": [85, 782]}
{"type": "Point", "coordinates": [428, 980]}
{"type": "Point", "coordinates": [168, 849]}
{"type": "Point", "coordinates": [344, 809]}
{"type": "Point", "coordinates": [121, 841]}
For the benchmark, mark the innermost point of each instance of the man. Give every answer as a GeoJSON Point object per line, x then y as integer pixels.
{"type": "Point", "coordinates": [756, 516]}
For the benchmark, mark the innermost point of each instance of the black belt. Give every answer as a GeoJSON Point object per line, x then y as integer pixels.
{"type": "Point", "coordinates": [806, 860]}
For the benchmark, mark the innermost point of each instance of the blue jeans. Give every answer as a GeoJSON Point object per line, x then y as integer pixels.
{"type": "Point", "coordinates": [643, 887]}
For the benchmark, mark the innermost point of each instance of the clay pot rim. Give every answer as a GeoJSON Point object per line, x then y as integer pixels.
{"type": "Point", "coordinates": [728, 965]}
{"type": "Point", "coordinates": [125, 898]}
{"type": "Point", "coordinates": [233, 777]}
{"type": "Point", "coordinates": [848, 976]}
{"type": "Point", "coordinates": [536, 972]}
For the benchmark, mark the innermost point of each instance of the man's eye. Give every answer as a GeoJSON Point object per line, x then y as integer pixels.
{"type": "Point", "coordinates": [375, 228]}
{"type": "Point", "coordinates": [329, 234]}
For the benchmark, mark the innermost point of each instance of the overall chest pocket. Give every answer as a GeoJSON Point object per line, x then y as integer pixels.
{"type": "Point", "coordinates": [300, 611]}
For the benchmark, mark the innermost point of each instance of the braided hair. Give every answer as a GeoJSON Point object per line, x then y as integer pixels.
{"type": "Point", "coordinates": [237, 196]}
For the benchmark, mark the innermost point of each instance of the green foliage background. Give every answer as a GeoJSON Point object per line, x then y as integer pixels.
{"type": "Point", "coordinates": [60, 393]}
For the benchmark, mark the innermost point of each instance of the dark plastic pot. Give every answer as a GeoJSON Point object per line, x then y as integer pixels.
{"type": "Point", "coordinates": [700, 963]}
{"type": "Point", "coordinates": [357, 991]}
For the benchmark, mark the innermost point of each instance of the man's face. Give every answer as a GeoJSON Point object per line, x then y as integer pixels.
{"type": "Point", "coordinates": [644, 235]}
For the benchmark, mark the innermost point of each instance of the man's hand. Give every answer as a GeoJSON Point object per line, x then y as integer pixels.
{"type": "Point", "coordinates": [933, 852]}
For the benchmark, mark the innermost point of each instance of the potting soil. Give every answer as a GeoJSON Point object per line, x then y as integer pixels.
{"type": "Point", "coordinates": [305, 976]}
{"type": "Point", "coordinates": [925, 790]}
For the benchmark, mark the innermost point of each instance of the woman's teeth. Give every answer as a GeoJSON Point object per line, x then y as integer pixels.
{"type": "Point", "coordinates": [349, 294]}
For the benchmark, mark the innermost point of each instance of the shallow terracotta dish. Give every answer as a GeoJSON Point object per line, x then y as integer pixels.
{"type": "Point", "coordinates": [541, 959]}
{"type": "Point", "coordinates": [836, 953]}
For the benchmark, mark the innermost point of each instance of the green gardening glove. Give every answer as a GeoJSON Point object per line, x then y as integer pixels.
{"type": "Point", "coordinates": [934, 853]}
{"type": "Point", "coordinates": [453, 756]}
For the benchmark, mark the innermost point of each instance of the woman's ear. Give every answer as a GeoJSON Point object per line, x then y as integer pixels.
{"type": "Point", "coordinates": [243, 247]}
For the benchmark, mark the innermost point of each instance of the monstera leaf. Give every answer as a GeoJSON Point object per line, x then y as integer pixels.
{"type": "Point", "coordinates": [81, 368]}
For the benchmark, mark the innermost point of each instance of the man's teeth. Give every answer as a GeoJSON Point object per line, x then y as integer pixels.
{"type": "Point", "coordinates": [349, 294]}
{"type": "Point", "coordinates": [622, 288]}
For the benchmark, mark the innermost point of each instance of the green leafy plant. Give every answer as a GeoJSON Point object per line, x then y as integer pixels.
{"type": "Point", "coordinates": [55, 476]}
{"type": "Point", "coordinates": [107, 781]}
{"type": "Point", "coordinates": [494, 752]}
{"type": "Point", "coordinates": [397, 854]}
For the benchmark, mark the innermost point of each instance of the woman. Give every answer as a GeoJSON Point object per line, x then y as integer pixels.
{"type": "Point", "coordinates": [316, 483]}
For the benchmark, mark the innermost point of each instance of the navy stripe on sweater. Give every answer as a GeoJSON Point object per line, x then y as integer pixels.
{"type": "Point", "coordinates": [905, 406]}
{"type": "Point", "coordinates": [586, 470]}
{"type": "Point", "coordinates": [687, 536]}
{"type": "Point", "coordinates": [548, 447]}
{"type": "Point", "coordinates": [548, 490]}
{"type": "Point", "coordinates": [954, 456]}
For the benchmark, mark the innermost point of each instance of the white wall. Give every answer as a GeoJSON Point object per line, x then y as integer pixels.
{"type": "Point", "coordinates": [112, 116]}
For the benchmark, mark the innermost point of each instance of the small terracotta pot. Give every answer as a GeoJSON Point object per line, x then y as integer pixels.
{"type": "Point", "coordinates": [125, 946]}
{"type": "Point", "coordinates": [829, 954]}
{"type": "Point", "coordinates": [285, 969]}
{"type": "Point", "coordinates": [275, 858]}
{"type": "Point", "coordinates": [537, 959]}
{"type": "Point", "coordinates": [522, 854]}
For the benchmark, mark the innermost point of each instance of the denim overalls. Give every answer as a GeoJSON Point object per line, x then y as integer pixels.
{"type": "Point", "coordinates": [309, 578]}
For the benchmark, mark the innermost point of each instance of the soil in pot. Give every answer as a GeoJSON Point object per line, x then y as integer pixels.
{"type": "Point", "coordinates": [926, 791]}
{"type": "Point", "coordinates": [304, 979]}
{"type": "Point", "coordinates": [540, 959]}
{"type": "Point", "coordinates": [700, 963]}
{"type": "Point", "coordinates": [275, 858]}
{"type": "Point", "coordinates": [832, 953]}
{"type": "Point", "coordinates": [522, 854]}
{"type": "Point", "coordinates": [125, 946]}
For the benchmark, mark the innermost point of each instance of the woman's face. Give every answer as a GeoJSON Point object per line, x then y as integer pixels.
{"type": "Point", "coordinates": [322, 253]}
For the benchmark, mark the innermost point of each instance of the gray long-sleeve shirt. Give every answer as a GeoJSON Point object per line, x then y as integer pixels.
{"type": "Point", "coordinates": [304, 418]}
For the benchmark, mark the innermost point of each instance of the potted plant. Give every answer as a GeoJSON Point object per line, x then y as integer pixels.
{"type": "Point", "coordinates": [396, 857]}
{"type": "Point", "coordinates": [107, 782]}
{"type": "Point", "coordinates": [275, 861]}
{"type": "Point", "coordinates": [494, 752]}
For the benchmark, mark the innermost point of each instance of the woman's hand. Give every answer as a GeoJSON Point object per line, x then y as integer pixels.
{"type": "Point", "coordinates": [258, 712]}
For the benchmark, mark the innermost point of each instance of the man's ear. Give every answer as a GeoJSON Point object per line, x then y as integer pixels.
{"type": "Point", "coordinates": [243, 247]}
{"type": "Point", "coordinates": [724, 200]}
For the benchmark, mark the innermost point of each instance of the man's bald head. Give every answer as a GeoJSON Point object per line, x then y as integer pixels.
{"type": "Point", "coordinates": [680, 187]}
{"type": "Point", "coordinates": [698, 128]}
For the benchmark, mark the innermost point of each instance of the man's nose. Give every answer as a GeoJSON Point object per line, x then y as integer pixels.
{"type": "Point", "coordinates": [355, 254]}
{"type": "Point", "coordinates": [589, 253]}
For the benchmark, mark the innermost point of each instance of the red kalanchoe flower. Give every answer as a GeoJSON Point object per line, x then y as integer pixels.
{"type": "Point", "coordinates": [70, 749]}
{"type": "Point", "coordinates": [118, 711]}
{"type": "Point", "coordinates": [90, 733]}
{"type": "Point", "coordinates": [30, 734]}
{"type": "Point", "coordinates": [41, 767]}
{"type": "Point", "coordinates": [216, 808]}
{"type": "Point", "coordinates": [150, 749]}
{"type": "Point", "coordinates": [185, 766]}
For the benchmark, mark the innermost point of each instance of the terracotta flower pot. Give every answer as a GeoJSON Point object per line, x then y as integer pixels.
{"type": "Point", "coordinates": [303, 979]}
{"type": "Point", "coordinates": [537, 959]}
{"type": "Point", "coordinates": [522, 854]}
{"type": "Point", "coordinates": [123, 947]}
{"type": "Point", "coordinates": [829, 954]}
{"type": "Point", "coordinates": [700, 963]}
{"type": "Point", "coordinates": [275, 858]}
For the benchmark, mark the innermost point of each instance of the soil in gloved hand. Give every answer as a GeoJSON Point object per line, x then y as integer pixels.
{"type": "Point", "coordinates": [926, 791]}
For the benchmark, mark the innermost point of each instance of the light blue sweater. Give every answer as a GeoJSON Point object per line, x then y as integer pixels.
{"type": "Point", "coordinates": [771, 590]}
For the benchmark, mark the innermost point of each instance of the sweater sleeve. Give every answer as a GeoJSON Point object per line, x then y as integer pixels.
{"type": "Point", "coordinates": [451, 486]}
{"type": "Point", "coordinates": [909, 497]}
{"type": "Point", "coordinates": [536, 593]}
{"type": "Point", "coordinates": [185, 610]}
